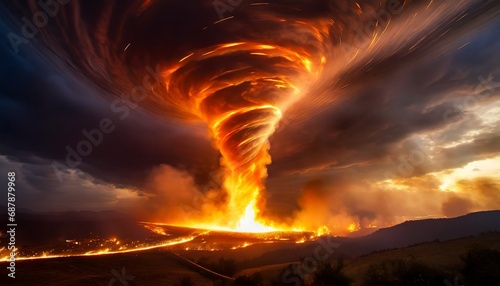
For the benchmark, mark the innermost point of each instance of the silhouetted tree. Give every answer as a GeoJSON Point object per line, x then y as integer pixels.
{"type": "Point", "coordinates": [254, 280]}
{"type": "Point", "coordinates": [331, 275]}
{"type": "Point", "coordinates": [482, 267]}
{"type": "Point", "coordinates": [402, 272]}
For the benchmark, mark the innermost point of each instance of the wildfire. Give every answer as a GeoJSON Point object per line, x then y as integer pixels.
{"type": "Point", "coordinates": [322, 231]}
{"type": "Point", "coordinates": [353, 227]}
{"type": "Point", "coordinates": [105, 251]}
{"type": "Point", "coordinates": [248, 222]}
{"type": "Point", "coordinates": [155, 229]}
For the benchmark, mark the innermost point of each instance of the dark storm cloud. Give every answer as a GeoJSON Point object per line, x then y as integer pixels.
{"type": "Point", "coordinates": [419, 98]}
{"type": "Point", "coordinates": [44, 111]}
{"type": "Point", "coordinates": [39, 189]}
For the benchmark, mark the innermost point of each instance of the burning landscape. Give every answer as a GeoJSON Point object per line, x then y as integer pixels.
{"type": "Point", "coordinates": [237, 142]}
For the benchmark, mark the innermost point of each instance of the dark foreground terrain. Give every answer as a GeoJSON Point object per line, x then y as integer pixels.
{"type": "Point", "coordinates": [431, 262]}
{"type": "Point", "coordinates": [459, 251]}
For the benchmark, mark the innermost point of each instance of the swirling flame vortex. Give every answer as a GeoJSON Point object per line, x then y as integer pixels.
{"type": "Point", "coordinates": [241, 90]}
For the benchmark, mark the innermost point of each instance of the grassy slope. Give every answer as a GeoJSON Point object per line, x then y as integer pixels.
{"type": "Point", "coordinates": [441, 255]}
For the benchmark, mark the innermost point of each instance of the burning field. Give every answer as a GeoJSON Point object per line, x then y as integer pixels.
{"type": "Point", "coordinates": [160, 236]}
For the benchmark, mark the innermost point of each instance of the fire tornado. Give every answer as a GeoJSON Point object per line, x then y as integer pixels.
{"type": "Point", "coordinates": [241, 90]}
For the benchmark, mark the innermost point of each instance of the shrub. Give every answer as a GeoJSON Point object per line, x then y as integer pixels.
{"type": "Point", "coordinates": [223, 266]}
{"type": "Point", "coordinates": [402, 272]}
{"type": "Point", "coordinates": [186, 281]}
{"type": "Point", "coordinates": [481, 267]}
{"type": "Point", "coordinates": [328, 274]}
{"type": "Point", "coordinates": [254, 280]}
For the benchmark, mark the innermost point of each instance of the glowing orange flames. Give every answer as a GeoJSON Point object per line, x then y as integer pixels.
{"type": "Point", "coordinates": [353, 227]}
{"type": "Point", "coordinates": [240, 90]}
{"type": "Point", "coordinates": [104, 251]}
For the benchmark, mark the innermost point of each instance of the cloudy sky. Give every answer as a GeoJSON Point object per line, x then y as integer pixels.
{"type": "Point", "coordinates": [403, 122]}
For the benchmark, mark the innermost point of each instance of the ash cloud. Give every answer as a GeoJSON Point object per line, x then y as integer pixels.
{"type": "Point", "coordinates": [338, 203]}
